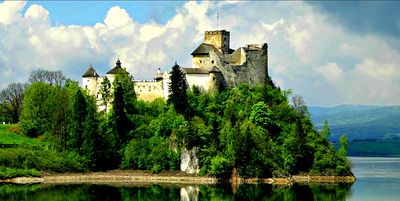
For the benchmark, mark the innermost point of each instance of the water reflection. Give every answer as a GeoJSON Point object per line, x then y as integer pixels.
{"type": "Point", "coordinates": [185, 193]}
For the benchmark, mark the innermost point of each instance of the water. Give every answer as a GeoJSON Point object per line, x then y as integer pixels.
{"type": "Point", "coordinates": [377, 179]}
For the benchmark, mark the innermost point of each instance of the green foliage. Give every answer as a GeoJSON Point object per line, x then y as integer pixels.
{"type": "Point", "coordinates": [36, 110]}
{"type": "Point", "coordinates": [344, 145]}
{"type": "Point", "coordinates": [177, 90]}
{"type": "Point", "coordinates": [325, 132]}
{"type": "Point", "coordinates": [6, 172]}
{"type": "Point", "coordinates": [42, 159]}
{"type": "Point", "coordinates": [105, 92]}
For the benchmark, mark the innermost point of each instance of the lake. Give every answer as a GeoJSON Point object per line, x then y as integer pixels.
{"type": "Point", "coordinates": [377, 179]}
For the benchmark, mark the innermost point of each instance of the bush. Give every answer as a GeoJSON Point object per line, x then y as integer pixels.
{"type": "Point", "coordinates": [6, 172]}
{"type": "Point", "coordinates": [28, 157]}
{"type": "Point", "coordinates": [221, 166]}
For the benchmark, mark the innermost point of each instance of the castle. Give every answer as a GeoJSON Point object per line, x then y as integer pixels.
{"type": "Point", "coordinates": [215, 66]}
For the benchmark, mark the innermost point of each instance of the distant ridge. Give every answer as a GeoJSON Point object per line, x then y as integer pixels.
{"type": "Point", "coordinates": [359, 121]}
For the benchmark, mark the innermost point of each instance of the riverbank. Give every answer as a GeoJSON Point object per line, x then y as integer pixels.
{"type": "Point", "coordinates": [143, 177]}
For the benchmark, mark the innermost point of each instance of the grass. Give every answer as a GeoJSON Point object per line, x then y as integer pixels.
{"type": "Point", "coordinates": [9, 135]}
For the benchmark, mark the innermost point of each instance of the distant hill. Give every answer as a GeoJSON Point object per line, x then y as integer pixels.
{"type": "Point", "coordinates": [359, 121]}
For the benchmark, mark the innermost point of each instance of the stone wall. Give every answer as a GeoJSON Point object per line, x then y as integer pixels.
{"type": "Point", "coordinates": [149, 90]}
{"type": "Point", "coordinates": [252, 71]}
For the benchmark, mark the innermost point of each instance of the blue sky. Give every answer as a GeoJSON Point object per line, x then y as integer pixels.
{"type": "Point", "coordinates": [91, 12]}
{"type": "Point", "coordinates": [329, 52]}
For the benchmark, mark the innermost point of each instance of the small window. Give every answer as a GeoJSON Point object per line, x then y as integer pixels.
{"type": "Point", "coordinates": [85, 86]}
{"type": "Point", "coordinates": [212, 61]}
{"type": "Point", "coordinates": [213, 78]}
{"type": "Point", "coordinates": [201, 61]}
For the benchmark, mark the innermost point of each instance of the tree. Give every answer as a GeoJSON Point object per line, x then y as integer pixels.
{"type": "Point", "coordinates": [78, 117]}
{"type": "Point", "coordinates": [299, 104]}
{"type": "Point", "coordinates": [105, 91]}
{"type": "Point", "coordinates": [128, 91]}
{"type": "Point", "coordinates": [343, 145]}
{"type": "Point", "coordinates": [325, 132]}
{"type": "Point", "coordinates": [91, 140]}
{"type": "Point", "coordinates": [36, 110]}
{"type": "Point", "coordinates": [177, 90]}
{"type": "Point", "coordinates": [120, 123]}
{"type": "Point", "coordinates": [50, 77]}
{"type": "Point", "coordinates": [60, 107]}
{"type": "Point", "coordinates": [11, 100]}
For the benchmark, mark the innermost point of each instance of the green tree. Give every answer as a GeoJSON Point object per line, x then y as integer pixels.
{"type": "Point", "coordinates": [326, 132]}
{"type": "Point", "coordinates": [60, 105]}
{"type": "Point", "coordinates": [36, 110]}
{"type": "Point", "coordinates": [343, 145]}
{"type": "Point", "coordinates": [178, 90]}
{"type": "Point", "coordinates": [120, 123]}
{"type": "Point", "coordinates": [78, 118]}
{"type": "Point", "coordinates": [105, 92]}
{"type": "Point", "coordinates": [91, 140]}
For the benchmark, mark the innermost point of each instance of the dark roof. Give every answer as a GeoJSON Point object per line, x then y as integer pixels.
{"type": "Point", "coordinates": [214, 70]}
{"type": "Point", "coordinates": [117, 69]}
{"type": "Point", "coordinates": [90, 72]}
{"type": "Point", "coordinates": [195, 71]}
{"type": "Point", "coordinates": [203, 49]}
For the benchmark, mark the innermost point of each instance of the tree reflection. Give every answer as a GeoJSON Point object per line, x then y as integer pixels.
{"type": "Point", "coordinates": [218, 192]}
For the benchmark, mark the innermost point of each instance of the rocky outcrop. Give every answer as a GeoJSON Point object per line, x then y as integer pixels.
{"type": "Point", "coordinates": [253, 67]}
{"type": "Point", "coordinates": [189, 161]}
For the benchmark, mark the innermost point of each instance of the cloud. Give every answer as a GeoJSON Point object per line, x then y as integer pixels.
{"type": "Point", "coordinates": [309, 52]}
{"type": "Point", "coordinates": [331, 72]}
{"type": "Point", "coordinates": [10, 11]}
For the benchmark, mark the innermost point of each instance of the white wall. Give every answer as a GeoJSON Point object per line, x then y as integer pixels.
{"type": "Point", "coordinates": [200, 80]}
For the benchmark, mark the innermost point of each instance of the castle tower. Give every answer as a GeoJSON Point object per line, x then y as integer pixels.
{"type": "Point", "coordinates": [89, 81]}
{"type": "Point", "coordinates": [219, 39]}
{"type": "Point", "coordinates": [114, 71]}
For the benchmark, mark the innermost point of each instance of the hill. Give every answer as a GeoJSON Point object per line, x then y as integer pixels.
{"type": "Point", "coordinates": [359, 121]}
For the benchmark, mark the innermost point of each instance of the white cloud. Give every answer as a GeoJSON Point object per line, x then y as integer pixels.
{"type": "Point", "coordinates": [331, 72]}
{"type": "Point", "coordinates": [322, 61]}
{"type": "Point", "coordinates": [10, 11]}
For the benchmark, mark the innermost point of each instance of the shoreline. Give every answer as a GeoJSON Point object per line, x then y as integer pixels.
{"type": "Point", "coordinates": [129, 177]}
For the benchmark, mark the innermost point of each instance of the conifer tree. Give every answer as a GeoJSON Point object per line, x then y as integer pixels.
{"type": "Point", "coordinates": [91, 140]}
{"type": "Point", "coordinates": [326, 133]}
{"type": "Point", "coordinates": [177, 90]}
{"type": "Point", "coordinates": [120, 123]}
{"type": "Point", "coordinates": [79, 114]}
{"type": "Point", "coordinates": [105, 91]}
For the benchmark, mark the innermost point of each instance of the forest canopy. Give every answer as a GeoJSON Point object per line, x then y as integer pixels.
{"type": "Point", "coordinates": [254, 130]}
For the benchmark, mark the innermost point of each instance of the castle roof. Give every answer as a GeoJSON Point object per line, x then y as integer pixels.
{"type": "Point", "coordinates": [200, 70]}
{"type": "Point", "coordinates": [117, 69]}
{"type": "Point", "coordinates": [203, 49]}
{"type": "Point", "coordinates": [214, 70]}
{"type": "Point", "coordinates": [195, 71]}
{"type": "Point", "coordinates": [90, 72]}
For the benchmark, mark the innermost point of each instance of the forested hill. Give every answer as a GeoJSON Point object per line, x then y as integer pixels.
{"type": "Point", "coordinates": [359, 121]}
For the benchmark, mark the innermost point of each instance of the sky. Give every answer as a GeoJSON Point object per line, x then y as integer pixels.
{"type": "Point", "coordinates": [330, 53]}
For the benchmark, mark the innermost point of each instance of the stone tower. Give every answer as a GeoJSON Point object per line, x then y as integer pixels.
{"type": "Point", "coordinates": [219, 39]}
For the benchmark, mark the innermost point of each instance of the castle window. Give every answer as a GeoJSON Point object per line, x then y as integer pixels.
{"type": "Point", "coordinates": [212, 61]}
{"type": "Point", "coordinates": [201, 61]}
{"type": "Point", "coordinates": [213, 78]}
{"type": "Point", "coordinates": [85, 86]}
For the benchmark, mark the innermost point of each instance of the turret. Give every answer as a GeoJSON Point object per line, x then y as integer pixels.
{"type": "Point", "coordinates": [117, 69]}
{"type": "Point", "coordinates": [219, 39]}
{"type": "Point", "coordinates": [89, 80]}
